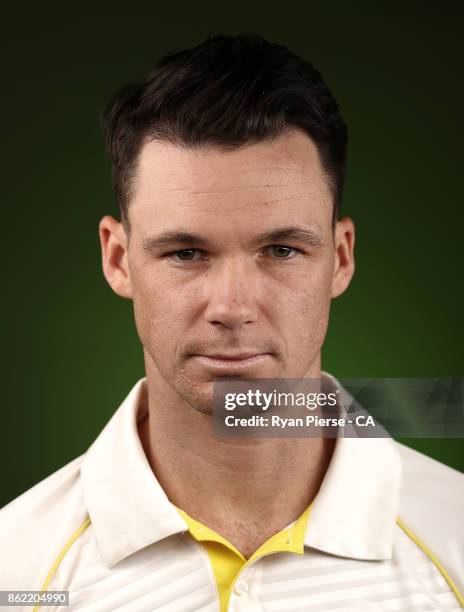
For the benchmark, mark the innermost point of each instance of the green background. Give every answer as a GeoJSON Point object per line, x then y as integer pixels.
{"type": "Point", "coordinates": [71, 350]}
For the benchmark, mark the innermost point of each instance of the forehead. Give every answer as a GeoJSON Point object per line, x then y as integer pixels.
{"type": "Point", "coordinates": [280, 175]}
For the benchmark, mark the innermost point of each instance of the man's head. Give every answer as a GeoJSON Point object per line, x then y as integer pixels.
{"type": "Point", "coordinates": [228, 165]}
{"type": "Point", "coordinates": [227, 91]}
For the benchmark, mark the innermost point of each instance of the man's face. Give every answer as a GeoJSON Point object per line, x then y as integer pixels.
{"type": "Point", "coordinates": [231, 254]}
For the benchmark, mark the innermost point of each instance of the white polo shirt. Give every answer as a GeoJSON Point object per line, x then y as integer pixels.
{"type": "Point", "coordinates": [103, 529]}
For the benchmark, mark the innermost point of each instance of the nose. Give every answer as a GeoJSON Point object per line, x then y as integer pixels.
{"type": "Point", "coordinates": [231, 294]}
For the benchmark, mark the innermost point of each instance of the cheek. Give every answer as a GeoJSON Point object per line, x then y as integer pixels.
{"type": "Point", "coordinates": [311, 309]}
{"type": "Point", "coordinates": [305, 309]}
{"type": "Point", "coordinates": [157, 316]}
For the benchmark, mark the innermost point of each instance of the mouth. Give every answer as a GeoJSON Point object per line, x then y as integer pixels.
{"type": "Point", "coordinates": [231, 362]}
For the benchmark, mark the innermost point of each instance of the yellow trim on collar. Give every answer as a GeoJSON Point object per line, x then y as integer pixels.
{"type": "Point", "coordinates": [227, 562]}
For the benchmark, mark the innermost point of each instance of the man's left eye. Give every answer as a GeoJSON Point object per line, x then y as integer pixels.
{"type": "Point", "coordinates": [283, 252]}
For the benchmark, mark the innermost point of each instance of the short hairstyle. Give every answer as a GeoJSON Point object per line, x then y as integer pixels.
{"type": "Point", "coordinates": [227, 91]}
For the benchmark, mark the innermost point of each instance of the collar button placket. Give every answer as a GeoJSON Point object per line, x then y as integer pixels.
{"type": "Point", "coordinates": [241, 587]}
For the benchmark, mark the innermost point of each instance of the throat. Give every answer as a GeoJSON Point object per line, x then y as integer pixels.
{"type": "Point", "coordinates": [244, 492]}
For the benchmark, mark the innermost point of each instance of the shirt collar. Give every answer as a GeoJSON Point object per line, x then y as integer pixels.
{"type": "Point", "coordinates": [354, 512]}
{"type": "Point", "coordinates": [126, 504]}
{"type": "Point", "coordinates": [352, 515]}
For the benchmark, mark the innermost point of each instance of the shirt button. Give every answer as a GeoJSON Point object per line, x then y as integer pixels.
{"type": "Point", "coordinates": [241, 587]}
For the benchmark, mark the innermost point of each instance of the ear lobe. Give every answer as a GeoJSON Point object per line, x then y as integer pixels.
{"type": "Point", "coordinates": [113, 241]}
{"type": "Point", "coordinates": [344, 264]}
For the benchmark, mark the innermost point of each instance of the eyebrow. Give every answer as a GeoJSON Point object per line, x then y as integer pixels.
{"type": "Point", "coordinates": [308, 237]}
{"type": "Point", "coordinates": [173, 238]}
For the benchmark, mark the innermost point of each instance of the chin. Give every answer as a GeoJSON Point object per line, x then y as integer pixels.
{"type": "Point", "coordinates": [198, 394]}
{"type": "Point", "coordinates": [204, 404]}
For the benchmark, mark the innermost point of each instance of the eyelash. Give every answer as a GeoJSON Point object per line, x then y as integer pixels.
{"type": "Point", "coordinates": [272, 246]}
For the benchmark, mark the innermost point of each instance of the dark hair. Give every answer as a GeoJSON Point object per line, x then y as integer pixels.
{"type": "Point", "coordinates": [226, 91]}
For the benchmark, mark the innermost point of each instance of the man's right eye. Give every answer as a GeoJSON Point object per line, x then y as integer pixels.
{"type": "Point", "coordinates": [184, 255]}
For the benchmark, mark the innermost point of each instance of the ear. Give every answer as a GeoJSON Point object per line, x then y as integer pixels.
{"type": "Point", "coordinates": [114, 244]}
{"type": "Point", "coordinates": [344, 256]}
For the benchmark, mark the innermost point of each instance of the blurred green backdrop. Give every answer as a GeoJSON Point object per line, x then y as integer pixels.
{"type": "Point", "coordinates": [71, 350]}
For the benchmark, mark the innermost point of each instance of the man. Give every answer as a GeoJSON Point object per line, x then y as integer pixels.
{"type": "Point", "coordinates": [228, 165]}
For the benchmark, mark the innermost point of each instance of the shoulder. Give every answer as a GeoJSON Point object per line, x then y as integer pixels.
{"type": "Point", "coordinates": [427, 480]}
{"type": "Point", "coordinates": [39, 497]}
{"type": "Point", "coordinates": [432, 507]}
{"type": "Point", "coordinates": [35, 526]}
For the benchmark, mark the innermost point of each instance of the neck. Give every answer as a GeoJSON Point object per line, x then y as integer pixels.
{"type": "Point", "coordinates": [230, 484]}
